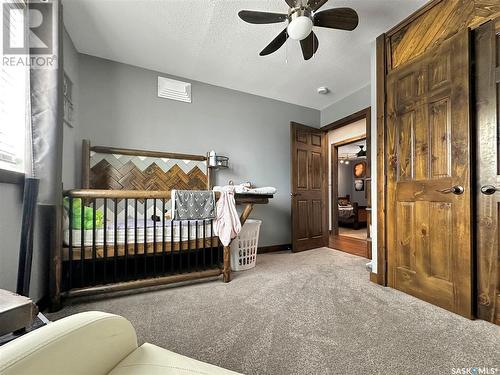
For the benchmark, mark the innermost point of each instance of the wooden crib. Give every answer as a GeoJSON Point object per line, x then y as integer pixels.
{"type": "Point", "coordinates": [121, 237]}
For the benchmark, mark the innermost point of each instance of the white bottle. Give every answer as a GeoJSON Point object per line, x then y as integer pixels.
{"type": "Point", "coordinates": [212, 159]}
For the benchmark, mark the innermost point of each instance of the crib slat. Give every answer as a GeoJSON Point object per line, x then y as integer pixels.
{"type": "Point", "coordinates": [94, 256]}
{"type": "Point", "coordinates": [211, 243]}
{"type": "Point", "coordinates": [154, 238]}
{"type": "Point", "coordinates": [115, 250]}
{"type": "Point", "coordinates": [197, 248]}
{"type": "Point", "coordinates": [204, 244]}
{"type": "Point", "coordinates": [145, 230]}
{"type": "Point", "coordinates": [180, 246]}
{"type": "Point", "coordinates": [171, 244]}
{"type": "Point", "coordinates": [135, 238]}
{"type": "Point", "coordinates": [189, 248]}
{"type": "Point", "coordinates": [82, 242]}
{"type": "Point", "coordinates": [105, 244]}
{"type": "Point", "coordinates": [218, 249]}
{"type": "Point", "coordinates": [126, 239]}
{"type": "Point", "coordinates": [163, 238]}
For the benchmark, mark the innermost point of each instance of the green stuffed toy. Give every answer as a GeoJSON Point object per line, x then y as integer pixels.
{"type": "Point", "coordinates": [88, 216]}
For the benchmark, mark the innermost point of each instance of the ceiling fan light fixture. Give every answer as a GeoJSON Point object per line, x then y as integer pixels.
{"type": "Point", "coordinates": [302, 16]}
{"type": "Point", "coordinates": [299, 27]}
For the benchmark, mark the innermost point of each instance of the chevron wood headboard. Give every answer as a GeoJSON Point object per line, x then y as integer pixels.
{"type": "Point", "coordinates": [127, 169]}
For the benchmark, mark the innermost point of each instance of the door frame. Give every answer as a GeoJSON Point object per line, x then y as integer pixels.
{"type": "Point", "coordinates": [335, 182]}
{"type": "Point", "coordinates": [365, 114]}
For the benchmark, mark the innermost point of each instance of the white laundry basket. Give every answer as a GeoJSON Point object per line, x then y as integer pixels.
{"type": "Point", "coordinates": [244, 246]}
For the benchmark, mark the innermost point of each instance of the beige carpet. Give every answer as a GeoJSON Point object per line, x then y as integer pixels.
{"type": "Point", "coordinates": [308, 313]}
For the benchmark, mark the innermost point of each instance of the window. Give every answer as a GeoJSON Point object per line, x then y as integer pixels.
{"type": "Point", "coordinates": [14, 96]}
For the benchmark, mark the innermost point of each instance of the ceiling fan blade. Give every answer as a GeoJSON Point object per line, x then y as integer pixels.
{"type": "Point", "coordinates": [316, 4]}
{"type": "Point", "coordinates": [338, 18]}
{"type": "Point", "coordinates": [275, 44]}
{"type": "Point", "coordinates": [290, 3]}
{"type": "Point", "coordinates": [309, 45]}
{"type": "Point", "coordinates": [251, 16]}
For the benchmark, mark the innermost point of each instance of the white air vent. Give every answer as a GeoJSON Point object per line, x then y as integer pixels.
{"type": "Point", "coordinates": [175, 90]}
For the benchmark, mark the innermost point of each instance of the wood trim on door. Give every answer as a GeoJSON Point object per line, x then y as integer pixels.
{"type": "Point", "coordinates": [381, 71]}
{"type": "Point", "coordinates": [333, 202]}
{"type": "Point", "coordinates": [487, 90]}
{"type": "Point", "coordinates": [350, 243]}
{"type": "Point", "coordinates": [360, 115]}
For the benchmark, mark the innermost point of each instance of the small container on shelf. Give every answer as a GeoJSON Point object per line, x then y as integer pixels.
{"type": "Point", "coordinates": [217, 161]}
{"type": "Point", "coordinates": [222, 161]}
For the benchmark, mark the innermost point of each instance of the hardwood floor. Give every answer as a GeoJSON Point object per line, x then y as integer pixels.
{"type": "Point", "coordinates": [349, 245]}
{"type": "Point", "coordinates": [360, 234]}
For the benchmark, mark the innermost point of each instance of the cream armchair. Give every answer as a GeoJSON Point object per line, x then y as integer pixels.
{"type": "Point", "coordinates": [94, 343]}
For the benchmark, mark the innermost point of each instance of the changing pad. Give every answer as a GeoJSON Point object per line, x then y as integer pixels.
{"type": "Point", "coordinates": [240, 189]}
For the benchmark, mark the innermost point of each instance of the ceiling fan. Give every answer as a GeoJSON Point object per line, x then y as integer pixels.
{"type": "Point", "coordinates": [301, 17]}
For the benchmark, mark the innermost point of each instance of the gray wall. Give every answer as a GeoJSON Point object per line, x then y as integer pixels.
{"type": "Point", "coordinates": [344, 180]}
{"type": "Point", "coordinates": [72, 140]}
{"type": "Point", "coordinates": [346, 184]}
{"type": "Point", "coordinates": [353, 103]}
{"type": "Point", "coordinates": [118, 106]}
{"type": "Point", "coordinates": [10, 230]}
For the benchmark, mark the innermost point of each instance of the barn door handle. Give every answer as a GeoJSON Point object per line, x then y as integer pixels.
{"type": "Point", "coordinates": [457, 190]}
{"type": "Point", "coordinates": [489, 189]}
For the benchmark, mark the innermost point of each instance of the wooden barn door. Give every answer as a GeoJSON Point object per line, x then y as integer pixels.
{"type": "Point", "coordinates": [487, 82]}
{"type": "Point", "coordinates": [309, 188]}
{"type": "Point", "coordinates": [428, 177]}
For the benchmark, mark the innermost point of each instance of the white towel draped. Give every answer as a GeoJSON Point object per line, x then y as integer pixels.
{"type": "Point", "coordinates": [227, 223]}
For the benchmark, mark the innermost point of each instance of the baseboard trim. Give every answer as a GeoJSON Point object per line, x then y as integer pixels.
{"type": "Point", "coordinates": [273, 248]}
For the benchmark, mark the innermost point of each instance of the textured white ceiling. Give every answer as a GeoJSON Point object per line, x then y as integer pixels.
{"type": "Point", "coordinates": [204, 40]}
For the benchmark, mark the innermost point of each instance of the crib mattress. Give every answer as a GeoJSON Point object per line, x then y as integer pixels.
{"type": "Point", "coordinates": [136, 249]}
{"type": "Point", "coordinates": [154, 230]}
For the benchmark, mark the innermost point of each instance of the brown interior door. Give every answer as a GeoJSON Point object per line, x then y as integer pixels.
{"type": "Point", "coordinates": [309, 188]}
{"type": "Point", "coordinates": [428, 177]}
{"type": "Point", "coordinates": [487, 89]}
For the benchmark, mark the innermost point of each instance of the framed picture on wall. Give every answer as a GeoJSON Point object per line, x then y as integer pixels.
{"type": "Point", "coordinates": [359, 169]}
{"type": "Point", "coordinates": [68, 101]}
{"type": "Point", "coordinates": [359, 184]}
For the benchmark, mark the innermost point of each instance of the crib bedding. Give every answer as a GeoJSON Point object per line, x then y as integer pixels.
{"type": "Point", "coordinates": [180, 233]}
